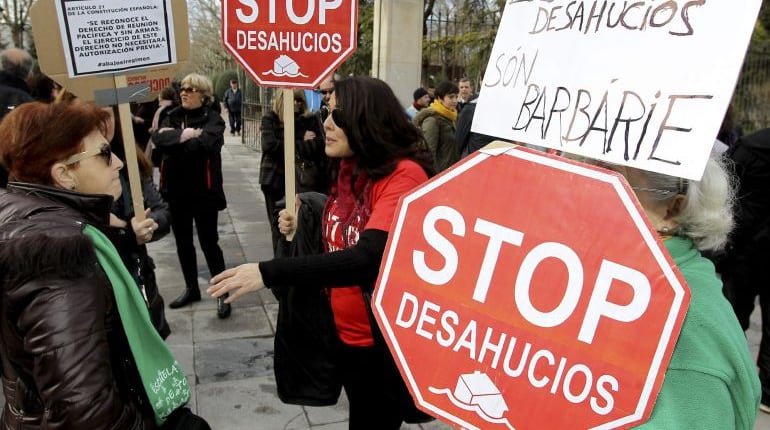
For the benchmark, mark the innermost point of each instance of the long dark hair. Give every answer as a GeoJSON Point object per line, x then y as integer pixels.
{"type": "Point", "coordinates": [378, 131]}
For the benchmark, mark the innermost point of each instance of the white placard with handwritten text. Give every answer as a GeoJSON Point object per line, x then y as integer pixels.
{"type": "Point", "coordinates": [644, 83]}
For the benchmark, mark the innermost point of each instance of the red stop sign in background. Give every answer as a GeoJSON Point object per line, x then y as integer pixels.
{"type": "Point", "coordinates": [289, 43]}
{"type": "Point", "coordinates": [526, 291]}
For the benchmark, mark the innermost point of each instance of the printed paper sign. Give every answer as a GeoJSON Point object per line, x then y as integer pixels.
{"type": "Point", "coordinates": [104, 36]}
{"type": "Point", "coordinates": [644, 83]}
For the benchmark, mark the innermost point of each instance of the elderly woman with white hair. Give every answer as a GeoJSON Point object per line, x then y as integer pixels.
{"type": "Point", "coordinates": [711, 382]}
{"type": "Point", "coordinates": [190, 141]}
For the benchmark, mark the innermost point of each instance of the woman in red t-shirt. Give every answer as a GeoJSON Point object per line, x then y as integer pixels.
{"type": "Point", "coordinates": [377, 158]}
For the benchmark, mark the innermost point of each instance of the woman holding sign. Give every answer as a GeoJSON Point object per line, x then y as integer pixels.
{"type": "Point", "coordinates": [710, 382]}
{"type": "Point", "coordinates": [376, 158]}
{"type": "Point", "coordinates": [309, 149]}
{"type": "Point", "coordinates": [189, 143]}
{"type": "Point", "coordinates": [77, 345]}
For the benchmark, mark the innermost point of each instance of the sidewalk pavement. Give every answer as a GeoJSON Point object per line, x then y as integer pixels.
{"type": "Point", "coordinates": [229, 363]}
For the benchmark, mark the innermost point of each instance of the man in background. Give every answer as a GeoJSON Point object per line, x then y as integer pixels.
{"type": "Point", "coordinates": [326, 88]}
{"type": "Point", "coordinates": [421, 101]}
{"type": "Point", "coordinates": [15, 69]}
{"type": "Point", "coordinates": [232, 102]}
{"type": "Point", "coordinates": [466, 93]}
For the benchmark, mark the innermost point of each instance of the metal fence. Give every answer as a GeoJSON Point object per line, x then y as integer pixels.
{"type": "Point", "coordinates": [454, 48]}
{"type": "Point", "coordinates": [751, 100]}
{"type": "Point", "coordinates": [256, 102]}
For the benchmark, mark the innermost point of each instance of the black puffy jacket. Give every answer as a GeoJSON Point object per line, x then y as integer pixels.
{"type": "Point", "coordinates": [66, 363]}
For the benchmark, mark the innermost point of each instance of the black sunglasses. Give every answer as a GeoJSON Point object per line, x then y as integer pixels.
{"type": "Point", "coordinates": [336, 114]}
{"type": "Point", "coordinates": [325, 92]}
{"type": "Point", "coordinates": [104, 151]}
{"type": "Point", "coordinates": [188, 90]}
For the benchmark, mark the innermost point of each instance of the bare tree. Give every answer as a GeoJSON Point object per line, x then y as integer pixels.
{"type": "Point", "coordinates": [15, 15]}
{"type": "Point", "coordinates": [206, 37]}
{"type": "Point", "coordinates": [458, 37]}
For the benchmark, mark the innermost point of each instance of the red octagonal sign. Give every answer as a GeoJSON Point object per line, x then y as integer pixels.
{"type": "Point", "coordinates": [522, 290]}
{"type": "Point", "coordinates": [291, 43]}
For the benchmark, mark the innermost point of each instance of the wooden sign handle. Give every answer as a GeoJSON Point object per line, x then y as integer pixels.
{"type": "Point", "coordinates": [129, 146]}
{"type": "Point", "coordinates": [288, 155]}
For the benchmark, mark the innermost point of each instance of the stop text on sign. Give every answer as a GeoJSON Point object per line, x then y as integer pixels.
{"type": "Point", "coordinates": [303, 13]}
{"type": "Point", "coordinates": [599, 306]}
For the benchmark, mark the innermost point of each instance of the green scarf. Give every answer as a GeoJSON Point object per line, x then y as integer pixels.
{"type": "Point", "coordinates": [162, 376]}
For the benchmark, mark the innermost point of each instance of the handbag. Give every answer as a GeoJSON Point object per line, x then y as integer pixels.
{"type": "Point", "coordinates": [308, 175]}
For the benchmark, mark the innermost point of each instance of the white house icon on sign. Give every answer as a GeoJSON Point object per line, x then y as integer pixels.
{"type": "Point", "coordinates": [477, 389]}
{"type": "Point", "coordinates": [285, 66]}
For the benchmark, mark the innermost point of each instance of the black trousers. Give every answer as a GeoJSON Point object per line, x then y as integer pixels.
{"type": "Point", "coordinates": [183, 214]}
{"type": "Point", "coordinates": [744, 280]}
{"type": "Point", "coordinates": [366, 377]}
{"type": "Point", "coordinates": [235, 121]}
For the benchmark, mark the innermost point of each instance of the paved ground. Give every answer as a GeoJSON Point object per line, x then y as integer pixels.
{"type": "Point", "coordinates": [229, 362]}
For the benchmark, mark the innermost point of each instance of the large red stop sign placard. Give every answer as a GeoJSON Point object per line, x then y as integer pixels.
{"type": "Point", "coordinates": [522, 290]}
{"type": "Point", "coordinates": [289, 43]}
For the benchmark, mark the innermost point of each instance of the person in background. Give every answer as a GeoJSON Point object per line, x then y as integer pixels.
{"type": "Point", "coordinates": [466, 140]}
{"type": "Point", "coordinates": [190, 142]}
{"type": "Point", "coordinates": [168, 98]}
{"type": "Point", "coordinates": [130, 236]}
{"type": "Point", "coordinates": [431, 87]}
{"type": "Point", "coordinates": [42, 88]}
{"type": "Point", "coordinates": [711, 382]}
{"type": "Point", "coordinates": [308, 147]}
{"type": "Point", "coordinates": [742, 265]}
{"type": "Point", "coordinates": [141, 119]}
{"type": "Point", "coordinates": [326, 88]}
{"type": "Point", "coordinates": [66, 359]}
{"type": "Point", "coordinates": [15, 68]}
{"type": "Point", "coordinates": [421, 101]}
{"type": "Point", "coordinates": [232, 102]}
{"type": "Point", "coordinates": [465, 94]}
{"type": "Point", "coordinates": [438, 122]}
{"type": "Point", "coordinates": [377, 159]}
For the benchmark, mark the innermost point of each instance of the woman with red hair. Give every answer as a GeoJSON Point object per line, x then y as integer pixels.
{"type": "Point", "coordinates": [71, 317]}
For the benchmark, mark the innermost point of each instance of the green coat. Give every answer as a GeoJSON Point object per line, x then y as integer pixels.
{"type": "Point", "coordinates": [711, 381]}
{"type": "Point", "coordinates": [439, 134]}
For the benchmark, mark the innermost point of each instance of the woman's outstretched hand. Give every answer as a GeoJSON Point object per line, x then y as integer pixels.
{"type": "Point", "coordinates": [237, 281]}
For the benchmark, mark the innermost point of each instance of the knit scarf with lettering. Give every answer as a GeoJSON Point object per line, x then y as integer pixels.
{"type": "Point", "coordinates": [162, 376]}
{"type": "Point", "coordinates": [450, 114]}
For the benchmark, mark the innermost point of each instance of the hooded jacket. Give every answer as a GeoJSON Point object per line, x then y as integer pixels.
{"type": "Point", "coordinates": [439, 134]}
